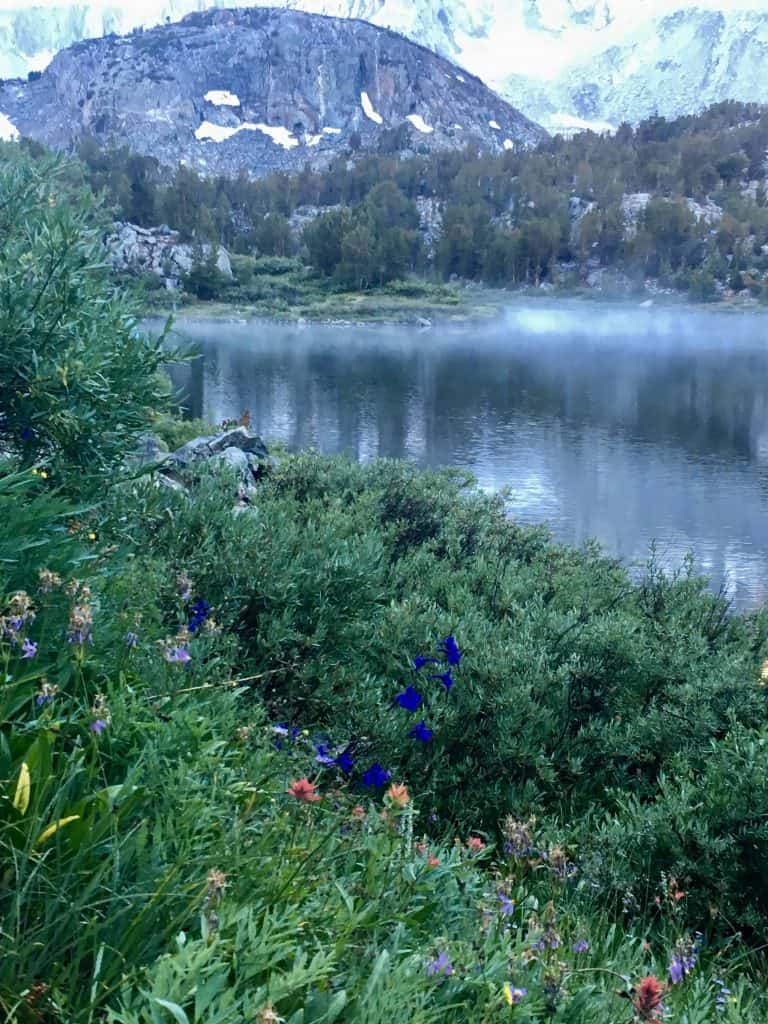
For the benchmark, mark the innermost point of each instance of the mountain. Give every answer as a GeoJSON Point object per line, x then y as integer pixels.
{"type": "Point", "coordinates": [260, 90]}
{"type": "Point", "coordinates": [566, 63]}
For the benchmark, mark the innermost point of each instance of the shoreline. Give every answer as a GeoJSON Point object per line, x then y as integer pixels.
{"type": "Point", "coordinates": [490, 305]}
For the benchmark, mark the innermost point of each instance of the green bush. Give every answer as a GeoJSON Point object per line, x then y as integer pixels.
{"type": "Point", "coordinates": [78, 378]}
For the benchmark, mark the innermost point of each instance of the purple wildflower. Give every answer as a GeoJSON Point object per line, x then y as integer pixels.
{"type": "Point", "coordinates": [178, 654]}
{"type": "Point", "coordinates": [580, 946]}
{"type": "Point", "coordinates": [98, 726]}
{"type": "Point", "coordinates": [440, 965]}
{"type": "Point", "coordinates": [28, 648]}
{"type": "Point", "coordinates": [514, 995]}
{"type": "Point", "coordinates": [421, 732]}
{"type": "Point", "coordinates": [420, 661]}
{"type": "Point", "coordinates": [376, 776]}
{"type": "Point", "coordinates": [131, 639]}
{"type": "Point", "coordinates": [507, 907]}
{"type": "Point", "coordinates": [450, 649]}
{"type": "Point", "coordinates": [409, 699]}
{"type": "Point", "coordinates": [720, 998]}
{"type": "Point", "coordinates": [446, 678]}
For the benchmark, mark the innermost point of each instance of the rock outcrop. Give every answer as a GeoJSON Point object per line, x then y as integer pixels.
{"type": "Point", "coordinates": [137, 250]}
{"type": "Point", "coordinates": [262, 90]}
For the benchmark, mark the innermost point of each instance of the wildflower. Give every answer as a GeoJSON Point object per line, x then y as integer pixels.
{"type": "Point", "coordinates": [101, 714]}
{"type": "Point", "coordinates": [397, 794]}
{"type": "Point", "coordinates": [131, 639]}
{"type": "Point", "coordinates": [80, 624]}
{"type": "Point", "coordinates": [22, 612]}
{"type": "Point", "coordinates": [358, 812]}
{"type": "Point", "coordinates": [216, 884]}
{"type": "Point", "coordinates": [440, 965]}
{"type": "Point", "coordinates": [345, 762]}
{"type": "Point", "coordinates": [376, 776]}
{"type": "Point", "coordinates": [722, 992]}
{"type": "Point", "coordinates": [507, 907]}
{"type": "Point", "coordinates": [48, 580]}
{"type": "Point", "coordinates": [178, 654]}
{"type": "Point", "coordinates": [421, 732]}
{"type": "Point", "coordinates": [683, 960]}
{"type": "Point", "coordinates": [475, 844]}
{"type": "Point", "coordinates": [450, 649]}
{"type": "Point", "coordinates": [28, 648]}
{"type": "Point", "coordinates": [304, 791]}
{"type": "Point", "coordinates": [201, 610]}
{"type": "Point", "coordinates": [446, 678]}
{"type": "Point", "coordinates": [323, 757]}
{"type": "Point", "coordinates": [420, 661]}
{"type": "Point", "coordinates": [648, 999]}
{"type": "Point", "coordinates": [47, 692]}
{"type": "Point", "coordinates": [432, 861]}
{"type": "Point", "coordinates": [27, 433]}
{"type": "Point", "coordinates": [580, 946]}
{"type": "Point", "coordinates": [519, 838]}
{"type": "Point", "coordinates": [514, 995]}
{"type": "Point", "coordinates": [409, 699]}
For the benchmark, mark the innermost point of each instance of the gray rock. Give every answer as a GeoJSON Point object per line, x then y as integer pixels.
{"type": "Point", "coordinates": [242, 438]}
{"type": "Point", "coordinates": [197, 448]}
{"type": "Point", "coordinates": [234, 457]}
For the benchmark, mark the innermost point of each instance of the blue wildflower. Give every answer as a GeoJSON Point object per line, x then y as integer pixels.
{"type": "Point", "coordinates": [580, 946]}
{"type": "Point", "coordinates": [421, 732]}
{"type": "Point", "coordinates": [450, 649]}
{"type": "Point", "coordinates": [98, 726]}
{"type": "Point", "coordinates": [323, 757]}
{"type": "Point", "coordinates": [440, 965]}
{"type": "Point", "coordinates": [200, 612]}
{"type": "Point", "coordinates": [420, 661]}
{"type": "Point", "coordinates": [345, 762]}
{"type": "Point", "coordinates": [131, 639]}
{"type": "Point", "coordinates": [446, 678]}
{"type": "Point", "coordinates": [409, 699]}
{"type": "Point", "coordinates": [376, 776]}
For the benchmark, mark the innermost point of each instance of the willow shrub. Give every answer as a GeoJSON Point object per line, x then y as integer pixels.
{"type": "Point", "coordinates": [79, 381]}
{"type": "Point", "coordinates": [579, 692]}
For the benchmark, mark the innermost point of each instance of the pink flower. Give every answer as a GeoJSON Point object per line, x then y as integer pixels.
{"type": "Point", "coordinates": [304, 791]}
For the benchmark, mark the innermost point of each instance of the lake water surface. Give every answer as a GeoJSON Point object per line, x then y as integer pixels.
{"type": "Point", "coordinates": [631, 426]}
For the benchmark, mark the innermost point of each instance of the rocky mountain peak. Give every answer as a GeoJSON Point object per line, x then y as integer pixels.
{"type": "Point", "coordinates": [261, 90]}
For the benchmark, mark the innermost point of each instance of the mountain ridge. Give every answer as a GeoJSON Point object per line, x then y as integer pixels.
{"type": "Point", "coordinates": [566, 63]}
{"type": "Point", "coordinates": [261, 90]}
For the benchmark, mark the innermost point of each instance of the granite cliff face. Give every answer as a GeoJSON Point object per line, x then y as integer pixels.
{"type": "Point", "coordinates": [260, 90]}
{"type": "Point", "coordinates": [565, 63]}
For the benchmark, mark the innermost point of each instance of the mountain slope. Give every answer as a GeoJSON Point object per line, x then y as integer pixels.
{"type": "Point", "coordinates": [260, 90]}
{"type": "Point", "coordinates": [563, 62]}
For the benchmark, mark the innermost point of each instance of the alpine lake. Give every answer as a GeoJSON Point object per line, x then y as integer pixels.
{"type": "Point", "coordinates": [637, 427]}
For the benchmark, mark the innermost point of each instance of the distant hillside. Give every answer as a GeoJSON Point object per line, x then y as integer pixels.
{"type": "Point", "coordinates": [259, 91]}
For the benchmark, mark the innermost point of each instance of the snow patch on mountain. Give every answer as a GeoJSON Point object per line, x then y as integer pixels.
{"type": "Point", "coordinates": [8, 130]}
{"type": "Point", "coordinates": [370, 113]}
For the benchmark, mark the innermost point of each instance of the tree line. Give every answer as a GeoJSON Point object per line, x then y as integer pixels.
{"type": "Point", "coordinates": [519, 217]}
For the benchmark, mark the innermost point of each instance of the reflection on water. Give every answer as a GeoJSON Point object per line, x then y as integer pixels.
{"type": "Point", "coordinates": [628, 427]}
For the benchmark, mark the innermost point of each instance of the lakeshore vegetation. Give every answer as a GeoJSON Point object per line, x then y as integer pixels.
{"type": "Point", "coordinates": [365, 752]}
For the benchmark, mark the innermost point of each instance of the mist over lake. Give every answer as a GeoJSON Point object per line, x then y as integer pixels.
{"type": "Point", "coordinates": [632, 426]}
